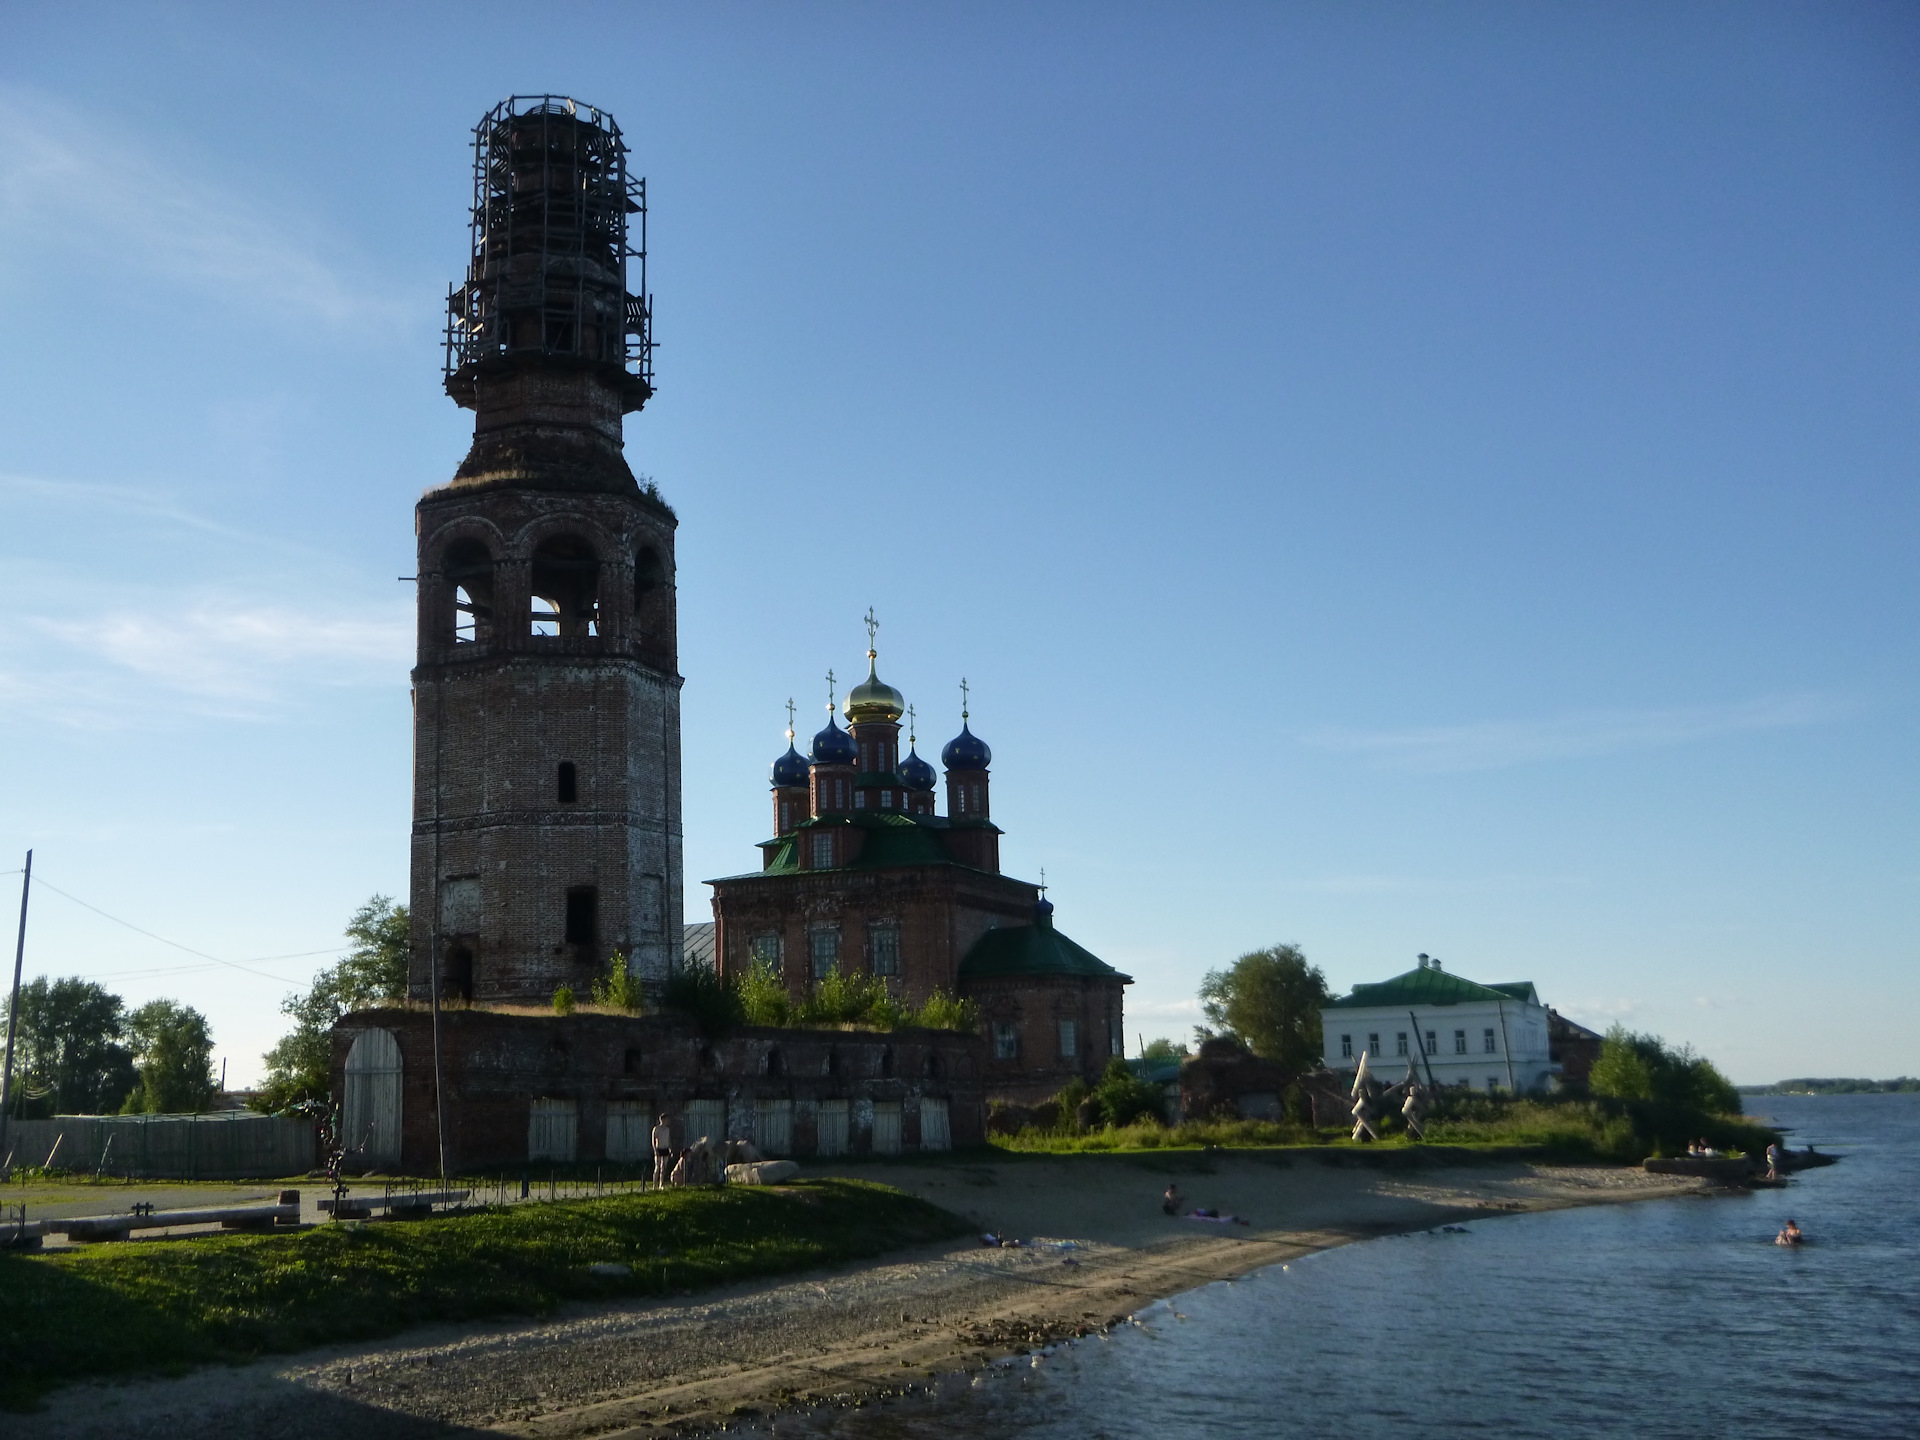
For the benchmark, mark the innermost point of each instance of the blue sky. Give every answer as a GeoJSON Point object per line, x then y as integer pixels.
{"type": "Point", "coordinates": [1397, 478]}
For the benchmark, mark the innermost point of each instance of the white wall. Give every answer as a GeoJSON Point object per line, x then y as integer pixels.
{"type": "Point", "coordinates": [1525, 1030]}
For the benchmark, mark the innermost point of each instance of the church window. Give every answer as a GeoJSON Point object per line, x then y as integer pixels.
{"type": "Point", "coordinates": [1346, 1047]}
{"type": "Point", "coordinates": [569, 785]}
{"type": "Point", "coordinates": [1433, 1043]}
{"type": "Point", "coordinates": [1486, 1041]}
{"type": "Point", "coordinates": [1116, 1038]}
{"type": "Point", "coordinates": [840, 793]}
{"type": "Point", "coordinates": [1006, 1040]}
{"type": "Point", "coordinates": [583, 919]}
{"type": "Point", "coordinates": [786, 813]}
{"type": "Point", "coordinates": [565, 581]}
{"type": "Point", "coordinates": [766, 951]}
{"type": "Point", "coordinates": [1459, 1042]}
{"type": "Point", "coordinates": [1400, 1043]}
{"type": "Point", "coordinates": [886, 799]}
{"type": "Point", "coordinates": [883, 945]}
{"type": "Point", "coordinates": [1069, 1039]}
{"type": "Point", "coordinates": [1373, 1044]}
{"type": "Point", "coordinates": [822, 850]}
{"type": "Point", "coordinates": [456, 978]}
{"type": "Point", "coordinates": [823, 945]}
{"type": "Point", "coordinates": [859, 799]}
{"type": "Point", "coordinates": [960, 797]}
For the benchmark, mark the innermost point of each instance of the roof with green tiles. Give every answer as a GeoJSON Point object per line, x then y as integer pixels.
{"type": "Point", "coordinates": [1430, 985]}
{"type": "Point", "coordinates": [894, 839]}
{"type": "Point", "coordinates": [1033, 950]}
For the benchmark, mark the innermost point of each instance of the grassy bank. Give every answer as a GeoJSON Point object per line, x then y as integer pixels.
{"type": "Point", "coordinates": [1623, 1132]}
{"type": "Point", "coordinates": [163, 1306]}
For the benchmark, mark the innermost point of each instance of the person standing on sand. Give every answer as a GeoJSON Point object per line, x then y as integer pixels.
{"type": "Point", "coordinates": [1773, 1160]}
{"type": "Point", "coordinates": [1171, 1202]}
{"type": "Point", "coordinates": [662, 1151]}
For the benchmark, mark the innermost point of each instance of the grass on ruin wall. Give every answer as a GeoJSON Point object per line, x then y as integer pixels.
{"type": "Point", "coordinates": [163, 1306]}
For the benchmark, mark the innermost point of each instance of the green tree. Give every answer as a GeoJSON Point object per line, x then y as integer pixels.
{"type": "Point", "coordinates": [1123, 1097]}
{"type": "Point", "coordinates": [373, 972]}
{"type": "Point", "coordinates": [173, 1046]}
{"type": "Point", "coordinates": [1644, 1067]}
{"type": "Point", "coordinates": [1165, 1049]}
{"type": "Point", "coordinates": [69, 1052]}
{"type": "Point", "coordinates": [1270, 1000]}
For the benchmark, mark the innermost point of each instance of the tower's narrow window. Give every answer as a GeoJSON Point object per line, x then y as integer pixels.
{"type": "Point", "coordinates": [456, 976]}
{"type": "Point", "coordinates": [583, 915]}
{"type": "Point", "coordinates": [1069, 1039]}
{"type": "Point", "coordinates": [565, 581]}
{"type": "Point", "coordinates": [569, 786]}
{"type": "Point", "coordinates": [1006, 1040]}
{"type": "Point", "coordinates": [823, 850]}
{"type": "Point", "coordinates": [823, 946]}
{"type": "Point", "coordinates": [468, 568]}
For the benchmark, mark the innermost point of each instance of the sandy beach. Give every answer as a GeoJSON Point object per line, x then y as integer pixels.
{"type": "Point", "coordinates": [1095, 1247]}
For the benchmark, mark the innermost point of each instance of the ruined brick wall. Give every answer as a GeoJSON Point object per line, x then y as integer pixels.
{"type": "Point", "coordinates": [1035, 1006]}
{"type": "Point", "coordinates": [498, 1066]}
{"type": "Point", "coordinates": [498, 840]}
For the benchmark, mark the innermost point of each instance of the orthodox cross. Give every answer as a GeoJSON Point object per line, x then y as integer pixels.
{"type": "Point", "coordinates": [873, 633]}
{"type": "Point", "coordinates": [910, 734]}
{"type": "Point", "coordinates": [789, 719]}
{"type": "Point", "coordinates": [1043, 882]}
{"type": "Point", "coordinates": [963, 697]}
{"type": "Point", "coordinates": [829, 692]}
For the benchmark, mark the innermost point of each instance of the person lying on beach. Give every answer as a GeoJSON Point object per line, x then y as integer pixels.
{"type": "Point", "coordinates": [1209, 1213]}
{"type": "Point", "coordinates": [1171, 1202]}
{"type": "Point", "coordinates": [1789, 1235]}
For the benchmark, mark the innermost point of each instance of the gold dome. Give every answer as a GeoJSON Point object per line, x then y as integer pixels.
{"type": "Point", "coordinates": [873, 700]}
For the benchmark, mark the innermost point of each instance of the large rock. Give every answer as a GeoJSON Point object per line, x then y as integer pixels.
{"type": "Point", "coordinates": [764, 1172]}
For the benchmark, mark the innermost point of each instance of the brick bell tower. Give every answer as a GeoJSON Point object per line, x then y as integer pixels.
{"type": "Point", "coordinates": [546, 813]}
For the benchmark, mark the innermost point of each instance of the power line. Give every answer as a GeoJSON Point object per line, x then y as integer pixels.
{"type": "Point", "coordinates": [175, 944]}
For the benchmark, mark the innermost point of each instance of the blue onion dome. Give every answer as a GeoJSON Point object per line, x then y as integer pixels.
{"type": "Point", "coordinates": [873, 699]}
{"type": "Point", "coordinates": [833, 746]}
{"type": "Point", "coordinates": [1043, 912]}
{"type": "Point", "coordinates": [790, 768]}
{"type": "Point", "coordinates": [966, 751]}
{"type": "Point", "coordinates": [917, 774]}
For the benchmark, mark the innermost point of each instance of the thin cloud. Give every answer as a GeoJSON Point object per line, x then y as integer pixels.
{"type": "Point", "coordinates": [65, 175]}
{"type": "Point", "coordinates": [1496, 744]}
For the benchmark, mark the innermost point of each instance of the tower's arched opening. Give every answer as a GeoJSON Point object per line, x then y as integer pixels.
{"type": "Point", "coordinates": [649, 593]}
{"type": "Point", "coordinates": [566, 588]}
{"type": "Point", "coordinates": [468, 567]}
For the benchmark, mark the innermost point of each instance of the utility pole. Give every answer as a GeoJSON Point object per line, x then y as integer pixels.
{"type": "Point", "coordinates": [13, 1009]}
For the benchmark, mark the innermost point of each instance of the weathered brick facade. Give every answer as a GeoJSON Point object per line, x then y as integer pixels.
{"type": "Point", "coordinates": [517, 1082]}
{"type": "Point", "coordinates": [546, 816]}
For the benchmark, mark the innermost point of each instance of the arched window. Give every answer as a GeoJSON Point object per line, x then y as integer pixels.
{"type": "Point", "coordinates": [651, 595]}
{"type": "Point", "coordinates": [468, 568]}
{"type": "Point", "coordinates": [566, 588]}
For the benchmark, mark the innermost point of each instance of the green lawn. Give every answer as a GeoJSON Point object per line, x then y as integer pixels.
{"type": "Point", "coordinates": [167, 1305]}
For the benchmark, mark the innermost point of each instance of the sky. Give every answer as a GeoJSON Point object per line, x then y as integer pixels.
{"type": "Point", "coordinates": [1396, 479]}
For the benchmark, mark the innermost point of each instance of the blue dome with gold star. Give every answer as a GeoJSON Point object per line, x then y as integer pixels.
{"type": "Point", "coordinates": [833, 746]}
{"type": "Point", "coordinates": [917, 774]}
{"type": "Point", "coordinates": [790, 768]}
{"type": "Point", "coordinates": [966, 751]}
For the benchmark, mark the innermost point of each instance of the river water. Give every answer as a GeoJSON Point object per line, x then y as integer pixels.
{"type": "Point", "coordinates": [1658, 1318]}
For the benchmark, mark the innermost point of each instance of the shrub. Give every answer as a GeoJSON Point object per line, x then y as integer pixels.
{"type": "Point", "coordinates": [1644, 1067]}
{"type": "Point", "coordinates": [944, 1012]}
{"type": "Point", "coordinates": [563, 1000]}
{"type": "Point", "coordinates": [1124, 1097]}
{"type": "Point", "coordinates": [621, 988]}
{"type": "Point", "coordinates": [714, 1005]}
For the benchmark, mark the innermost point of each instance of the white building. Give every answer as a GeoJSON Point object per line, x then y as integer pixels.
{"type": "Point", "coordinates": [1456, 1032]}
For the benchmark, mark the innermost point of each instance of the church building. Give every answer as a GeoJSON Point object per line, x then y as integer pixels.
{"type": "Point", "coordinates": [863, 875]}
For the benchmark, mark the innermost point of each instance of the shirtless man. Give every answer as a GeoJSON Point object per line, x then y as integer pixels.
{"type": "Point", "coordinates": [1789, 1235]}
{"type": "Point", "coordinates": [662, 1151]}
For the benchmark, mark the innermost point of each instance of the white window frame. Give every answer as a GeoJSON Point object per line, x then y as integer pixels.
{"type": "Point", "coordinates": [1069, 1039]}
{"type": "Point", "coordinates": [875, 959]}
{"type": "Point", "coordinates": [1006, 1040]}
{"type": "Point", "coordinates": [817, 952]}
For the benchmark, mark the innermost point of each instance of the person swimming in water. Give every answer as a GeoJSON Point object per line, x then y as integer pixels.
{"type": "Point", "coordinates": [1789, 1235]}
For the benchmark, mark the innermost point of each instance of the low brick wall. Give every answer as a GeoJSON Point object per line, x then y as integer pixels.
{"type": "Point", "coordinates": [592, 1084]}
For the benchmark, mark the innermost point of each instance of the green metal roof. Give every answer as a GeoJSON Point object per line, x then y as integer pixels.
{"type": "Point", "coordinates": [1427, 986]}
{"type": "Point", "coordinates": [1032, 950]}
{"type": "Point", "coordinates": [894, 839]}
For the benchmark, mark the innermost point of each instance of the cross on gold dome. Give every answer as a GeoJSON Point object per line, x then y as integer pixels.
{"type": "Point", "coordinates": [873, 635]}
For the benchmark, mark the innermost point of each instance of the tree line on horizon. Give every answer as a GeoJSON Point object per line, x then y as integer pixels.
{"type": "Point", "coordinates": [78, 1050]}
